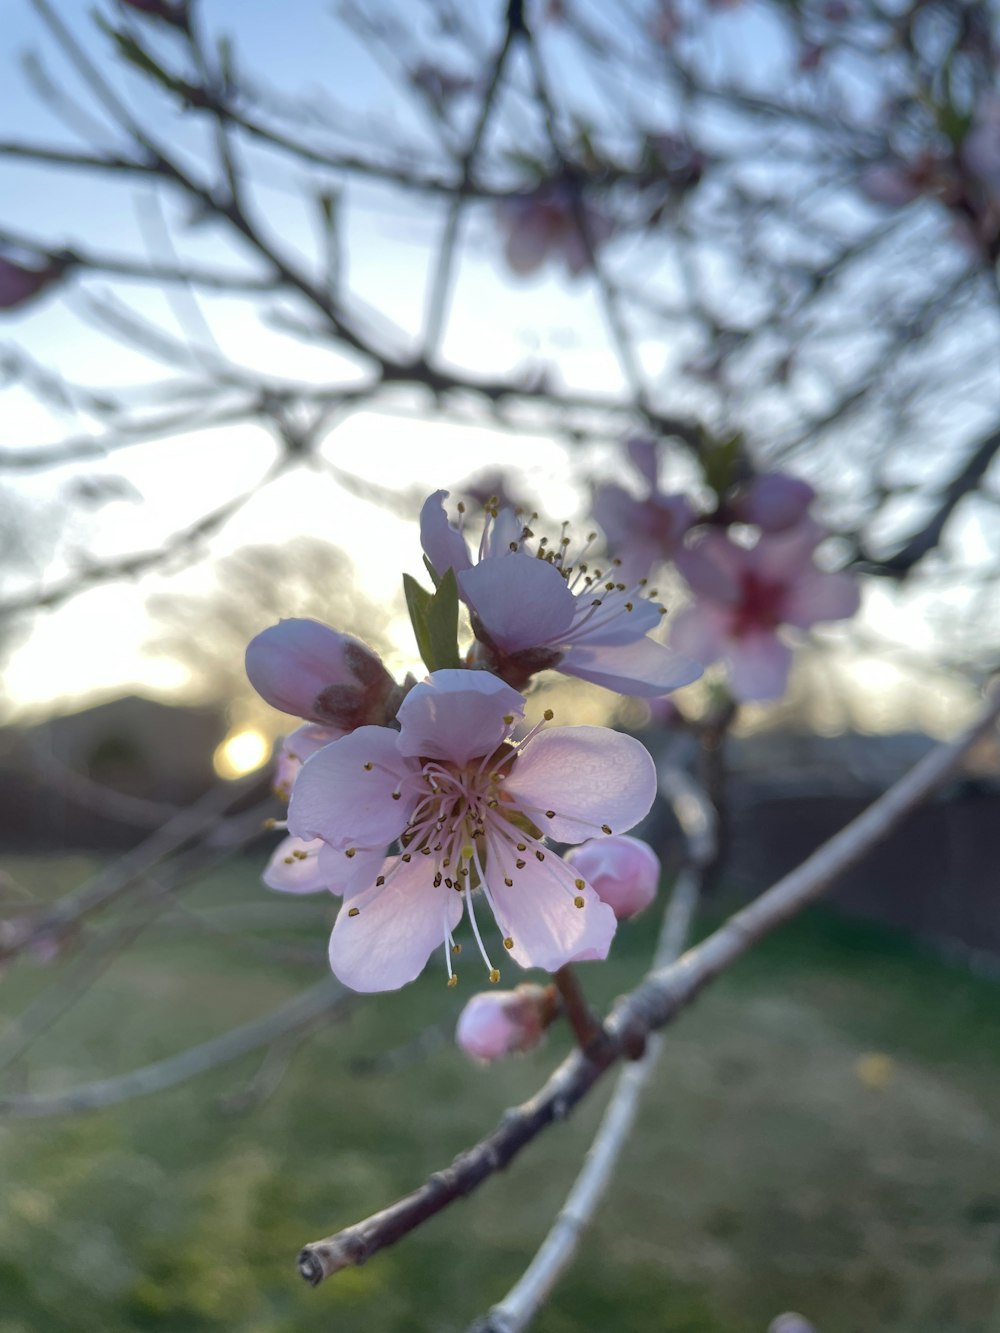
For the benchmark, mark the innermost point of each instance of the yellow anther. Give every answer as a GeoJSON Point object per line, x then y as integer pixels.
{"type": "Point", "coordinates": [369, 766]}
{"type": "Point", "coordinates": [508, 943]}
{"type": "Point", "coordinates": [380, 881]}
{"type": "Point", "coordinates": [269, 823]}
{"type": "Point", "coordinates": [539, 856]}
{"type": "Point", "coordinates": [548, 715]}
{"type": "Point", "coordinates": [396, 795]}
{"type": "Point", "coordinates": [550, 814]}
{"type": "Point", "coordinates": [605, 828]}
{"type": "Point", "coordinates": [577, 902]}
{"type": "Point", "coordinates": [354, 911]}
{"type": "Point", "coordinates": [453, 979]}
{"type": "Point", "coordinates": [406, 857]}
{"type": "Point", "coordinates": [456, 949]}
{"type": "Point", "coordinates": [301, 856]}
{"type": "Point", "coordinates": [520, 864]}
{"type": "Point", "coordinates": [494, 975]}
{"type": "Point", "coordinates": [580, 883]}
{"type": "Point", "coordinates": [508, 882]}
{"type": "Point", "coordinates": [629, 606]}
{"type": "Point", "coordinates": [351, 851]}
{"type": "Point", "coordinates": [289, 860]}
{"type": "Point", "coordinates": [522, 846]}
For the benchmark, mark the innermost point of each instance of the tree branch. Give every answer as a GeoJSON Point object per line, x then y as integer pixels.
{"type": "Point", "coordinates": [653, 1004]}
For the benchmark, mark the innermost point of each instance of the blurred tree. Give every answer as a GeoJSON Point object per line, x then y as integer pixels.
{"type": "Point", "coordinates": [769, 224]}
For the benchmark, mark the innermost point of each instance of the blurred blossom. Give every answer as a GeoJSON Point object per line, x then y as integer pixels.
{"type": "Point", "coordinates": [623, 871]}
{"type": "Point", "coordinates": [774, 502]}
{"type": "Point", "coordinates": [459, 795]}
{"type": "Point", "coordinates": [791, 1323]}
{"type": "Point", "coordinates": [537, 609]}
{"type": "Point", "coordinates": [743, 595]}
{"type": "Point", "coordinates": [895, 183]}
{"type": "Point", "coordinates": [18, 285]}
{"type": "Point", "coordinates": [642, 532]}
{"type": "Point", "coordinates": [314, 672]}
{"type": "Point", "coordinates": [544, 227]}
{"type": "Point", "coordinates": [980, 150]}
{"type": "Point", "coordinates": [495, 1024]}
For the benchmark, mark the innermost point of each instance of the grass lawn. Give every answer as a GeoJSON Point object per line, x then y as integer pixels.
{"type": "Point", "coordinates": [821, 1135]}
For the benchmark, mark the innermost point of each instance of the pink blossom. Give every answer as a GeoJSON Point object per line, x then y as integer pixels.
{"type": "Point", "coordinates": [469, 809]}
{"type": "Point", "coordinates": [545, 227]}
{"type": "Point", "coordinates": [895, 182]}
{"type": "Point", "coordinates": [296, 749]}
{"type": "Point", "coordinates": [773, 501]}
{"type": "Point", "coordinates": [495, 1024]}
{"type": "Point", "coordinates": [311, 671]}
{"type": "Point", "coordinates": [624, 872]}
{"type": "Point", "coordinates": [532, 611]}
{"type": "Point", "coordinates": [642, 532]}
{"type": "Point", "coordinates": [18, 285]}
{"type": "Point", "coordinates": [980, 150]}
{"type": "Point", "coordinates": [745, 595]}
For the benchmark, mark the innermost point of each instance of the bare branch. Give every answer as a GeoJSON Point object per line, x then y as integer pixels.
{"type": "Point", "coordinates": [303, 1011]}
{"type": "Point", "coordinates": [654, 1003]}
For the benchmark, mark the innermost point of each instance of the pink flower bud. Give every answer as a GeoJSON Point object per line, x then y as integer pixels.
{"type": "Point", "coordinates": [495, 1024]}
{"type": "Point", "coordinates": [773, 502]}
{"type": "Point", "coordinates": [624, 872]}
{"type": "Point", "coordinates": [311, 671]}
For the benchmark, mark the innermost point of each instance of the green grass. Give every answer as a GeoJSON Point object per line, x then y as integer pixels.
{"type": "Point", "coordinates": [770, 1169]}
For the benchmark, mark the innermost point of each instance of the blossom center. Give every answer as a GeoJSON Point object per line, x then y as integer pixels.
{"type": "Point", "coordinates": [759, 607]}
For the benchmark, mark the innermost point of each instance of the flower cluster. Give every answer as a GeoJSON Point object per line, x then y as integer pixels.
{"type": "Point", "coordinates": [747, 584]}
{"type": "Point", "coordinates": [538, 607]}
{"type": "Point", "coordinates": [426, 804]}
{"type": "Point", "coordinates": [421, 804]}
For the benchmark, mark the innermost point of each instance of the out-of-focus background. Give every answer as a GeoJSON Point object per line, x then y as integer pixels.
{"type": "Point", "coordinates": [267, 279]}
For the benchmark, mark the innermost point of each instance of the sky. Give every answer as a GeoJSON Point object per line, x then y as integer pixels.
{"type": "Point", "coordinates": [98, 643]}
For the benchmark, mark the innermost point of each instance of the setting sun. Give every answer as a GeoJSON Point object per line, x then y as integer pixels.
{"type": "Point", "coordinates": [240, 753]}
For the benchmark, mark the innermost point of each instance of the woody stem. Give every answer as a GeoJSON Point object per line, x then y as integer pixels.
{"type": "Point", "coordinates": [586, 1025]}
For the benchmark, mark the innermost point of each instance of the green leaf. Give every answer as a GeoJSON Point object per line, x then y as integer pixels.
{"type": "Point", "coordinates": [434, 616]}
{"type": "Point", "coordinates": [720, 457]}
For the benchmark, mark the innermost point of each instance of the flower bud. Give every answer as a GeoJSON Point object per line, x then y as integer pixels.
{"type": "Point", "coordinates": [773, 502]}
{"type": "Point", "coordinates": [311, 671]}
{"type": "Point", "coordinates": [790, 1323]}
{"type": "Point", "coordinates": [498, 1023]}
{"type": "Point", "coordinates": [624, 872]}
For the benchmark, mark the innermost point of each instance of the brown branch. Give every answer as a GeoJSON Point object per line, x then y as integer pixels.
{"type": "Point", "coordinates": [652, 1005]}
{"type": "Point", "coordinates": [965, 480]}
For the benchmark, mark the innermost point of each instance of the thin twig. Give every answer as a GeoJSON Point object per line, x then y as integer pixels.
{"type": "Point", "coordinates": [518, 1308]}
{"type": "Point", "coordinates": [654, 1003]}
{"type": "Point", "coordinates": [299, 1012]}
